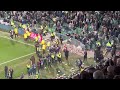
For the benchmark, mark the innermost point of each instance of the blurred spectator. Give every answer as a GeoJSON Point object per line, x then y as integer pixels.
{"type": "Point", "coordinates": [6, 71]}
{"type": "Point", "coordinates": [85, 55]}
{"type": "Point", "coordinates": [66, 52]}
{"type": "Point", "coordinates": [116, 77]}
{"type": "Point", "coordinates": [22, 76]}
{"type": "Point", "coordinates": [98, 75]}
{"type": "Point", "coordinates": [84, 75]}
{"type": "Point", "coordinates": [110, 72]}
{"type": "Point", "coordinates": [11, 72]}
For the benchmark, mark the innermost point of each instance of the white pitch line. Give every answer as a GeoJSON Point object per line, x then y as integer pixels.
{"type": "Point", "coordinates": [16, 41]}
{"type": "Point", "coordinates": [16, 59]}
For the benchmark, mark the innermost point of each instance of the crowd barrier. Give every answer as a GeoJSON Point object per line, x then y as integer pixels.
{"type": "Point", "coordinates": [8, 28]}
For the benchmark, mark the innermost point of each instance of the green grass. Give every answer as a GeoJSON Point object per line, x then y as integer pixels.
{"type": "Point", "coordinates": [10, 50]}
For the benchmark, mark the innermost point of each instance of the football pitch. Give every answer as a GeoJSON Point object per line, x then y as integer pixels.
{"type": "Point", "coordinates": [16, 54]}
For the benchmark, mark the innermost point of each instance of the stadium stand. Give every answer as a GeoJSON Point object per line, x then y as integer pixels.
{"type": "Point", "coordinates": [92, 30]}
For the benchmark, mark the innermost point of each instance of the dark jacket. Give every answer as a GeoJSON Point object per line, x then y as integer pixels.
{"type": "Point", "coordinates": [33, 60]}
{"type": "Point", "coordinates": [117, 70]}
{"type": "Point", "coordinates": [109, 62]}
{"type": "Point", "coordinates": [109, 76]}
{"type": "Point", "coordinates": [66, 52]}
{"type": "Point", "coordinates": [11, 72]}
{"type": "Point", "coordinates": [85, 54]}
{"type": "Point", "coordinates": [6, 69]}
{"type": "Point", "coordinates": [38, 65]}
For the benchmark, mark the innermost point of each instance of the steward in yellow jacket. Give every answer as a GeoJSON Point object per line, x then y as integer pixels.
{"type": "Point", "coordinates": [28, 34]}
{"type": "Point", "coordinates": [59, 56]}
{"type": "Point", "coordinates": [52, 36]}
{"type": "Point", "coordinates": [44, 48]}
{"type": "Point", "coordinates": [25, 36]}
{"type": "Point", "coordinates": [16, 32]}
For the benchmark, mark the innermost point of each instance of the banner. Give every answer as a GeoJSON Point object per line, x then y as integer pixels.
{"type": "Point", "coordinates": [34, 35]}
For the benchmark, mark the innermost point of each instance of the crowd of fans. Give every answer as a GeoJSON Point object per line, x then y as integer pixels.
{"type": "Point", "coordinates": [95, 25]}
{"type": "Point", "coordinates": [107, 69]}
{"type": "Point", "coordinates": [96, 30]}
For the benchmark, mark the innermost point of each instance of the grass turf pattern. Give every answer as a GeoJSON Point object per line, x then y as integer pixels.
{"type": "Point", "coordinates": [10, 49]}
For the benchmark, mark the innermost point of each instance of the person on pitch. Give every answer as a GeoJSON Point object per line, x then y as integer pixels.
{"type": "Point", "coordinates": [16, 32]}
{"type": "Point", "coordinates": [11, 33]}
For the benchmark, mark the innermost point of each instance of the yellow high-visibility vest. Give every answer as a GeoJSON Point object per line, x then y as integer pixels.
{"type": "Point", "coordinates": [36, 39]}
{"type": "Point", "coordinates": [53, 56]}
{"type": "Point", "coordinates": [44, 47]}
{"type": "Point", "coordinates": [43, 42]}
{"type": "Point", "coordinates": [25, 35]}
{"type": "Point", "coordinates": [36, 76]}
{"type": "Point", "coordinates": [59, 55]}
{"type": "Point", "coordinates": [28, 66]}
{"type": "Point", "coordinates": [41, 27]}
{"type": "Point", "coordinates": [38, 36]}
{"type": "Point", "coordinates": [108, 44]}
{"type": "Point", "coordinates": [20, 25]}
{"type": "Point", "coordinates": [48, 44]}
{"type": "Point", "coordinates": [12, 23]}
{"type": "Point", "coordinates": [98, 43]}
{"type": "Point", "coordinates": [44, 31]}
{"type": "Point", "coordinates": [28, 33]}
{"type": "Point", "coordinates": [16, 31]}
{"type": "Point", "coordinates": [52, 34]}
{"type": "Point", "coordinates": [81, 70]}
